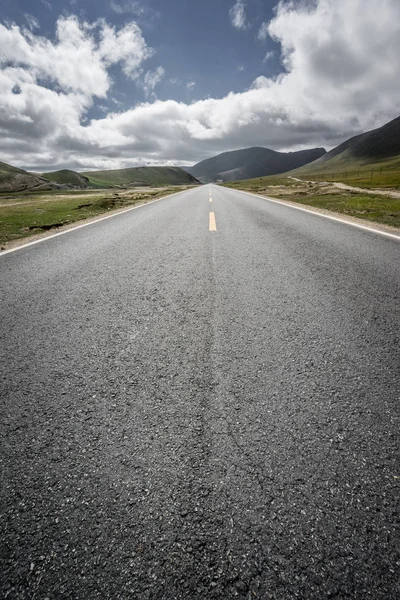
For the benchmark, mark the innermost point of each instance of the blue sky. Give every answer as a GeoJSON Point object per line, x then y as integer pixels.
{"type": "Point", "coordinates": [112, 83]}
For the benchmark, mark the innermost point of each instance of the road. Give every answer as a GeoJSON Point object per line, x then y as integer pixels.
{"type": "Point", "coordinates": [201, 407]}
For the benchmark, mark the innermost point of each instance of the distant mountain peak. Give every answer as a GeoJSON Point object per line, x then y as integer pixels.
{"type": "Point", "coordinates": [247, 163]}
{"type": "Point", "coordinates": [366, 148]}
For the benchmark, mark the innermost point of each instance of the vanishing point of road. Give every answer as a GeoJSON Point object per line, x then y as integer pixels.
{"type": "Point", "coordinates": [199, 401]}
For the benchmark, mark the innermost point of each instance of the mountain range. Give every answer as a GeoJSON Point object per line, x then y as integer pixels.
{"type": "Point", "coordinates": [251, 162]}
{"type": "Point", "coordinates": [379, 148]}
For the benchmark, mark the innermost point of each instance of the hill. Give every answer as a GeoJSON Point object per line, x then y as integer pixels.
{"type": "Point", "coordinates": [372, 156]}
{"type": "Point", "coordinates": [13, 179]}
{"type": "Point", "coordinates": [251, 162]}
{"type": "Point", "coordinates": [67, 177]}
{"type": "Point", "coordinates": [137, 176]}
{"type": "Point", "coordinates": [8, 171]}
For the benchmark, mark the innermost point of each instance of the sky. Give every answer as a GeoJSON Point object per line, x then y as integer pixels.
{"type": "Point", "coordinates": [104, 84]}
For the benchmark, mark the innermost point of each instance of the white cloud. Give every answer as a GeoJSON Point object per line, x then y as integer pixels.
{"type": "Point", "coordinates": [32, 22]}
{"type": "Point", "coordinates": [126, 7]}
{"type": "Point", "coordinates": [117, 102]}
{"type": "Point", "coordinates": [190, 85]}
{"type": "Point", "coordinates": [240, 68]}
{"type": "Point", "coordinates": [126, 46]}
{"type": "Point", "coordinates": [342, 76]}
{"type": "Point", "coordinates": [237, 15]}
{"type": "Point", "coordinates": [137, 9]}
{"type": "Point", "coordinates": [268, 56]}
{"type": "Point", "coordinates": [79, 58]}
{"type": "Point", "coordinates": [151, 79]}
{"type": "Point", "coordinates": [263, 32]}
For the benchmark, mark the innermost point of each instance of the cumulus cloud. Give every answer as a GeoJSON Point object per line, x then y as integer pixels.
{"type": "Point", "coordinates": [342, 76]}
{"type": "Point", "coordinates": [47, 87]}
{"type": "Point", "coordinates": [77, 61]}
{"type": "Point", "coordinates": [126, 46]}
{"type": "Point", "coordinates": [237, 15]}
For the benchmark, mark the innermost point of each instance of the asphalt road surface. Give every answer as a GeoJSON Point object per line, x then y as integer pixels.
{"type": "Point", "coordinates": [199, 401]}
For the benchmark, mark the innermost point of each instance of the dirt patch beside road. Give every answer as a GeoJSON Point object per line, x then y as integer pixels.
{"type": "Point", "coordinates": [350, 188]}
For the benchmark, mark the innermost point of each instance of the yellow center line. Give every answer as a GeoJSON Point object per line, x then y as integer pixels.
{"type": "Point", "coordinates": [210, 199]}
{"type": "Point", "coordinates": [212, 226]}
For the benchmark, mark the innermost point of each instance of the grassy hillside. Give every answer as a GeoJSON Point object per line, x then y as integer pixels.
{"type": "Point", "coordinates": [8, 171]}
{"type": "Point", "coordinates": [67, 177]}
{"type": "Point", "coordinates": [371, 159]}
{"type": "Point", "coordinates": [13, 179]}
{"type": "Point", "coordinates": [377, 144]}
{"type": "Point", "coordinates": [251, 162]}
{"type": "Point", "coordinates": [17, 180]}
{"type": "Point", "coordinates": [140, 176]}
{"type": "Point", "coordinates": [366, 174]}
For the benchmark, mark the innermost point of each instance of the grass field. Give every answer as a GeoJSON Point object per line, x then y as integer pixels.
{"type": "Point", "coordinates": [376, 174]}
{"type": "Point", "coordinates": [371, 207]}
{"type": "Point", "coordinates": [24, 215]}
{"type": "Point", "coordinates": [376, 209]}
{"type": "Point", "coordinates": [261, 183]}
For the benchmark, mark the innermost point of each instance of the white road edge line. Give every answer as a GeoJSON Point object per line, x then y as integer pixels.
{"type": "Point", "coordinates": [54, 235]}
{"type": "Point", "coordinates": [318, 214]}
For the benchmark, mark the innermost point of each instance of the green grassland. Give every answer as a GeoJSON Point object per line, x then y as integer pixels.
{"type": "Point", "coordinates": [371, 207]}
{"type": "Point", "coordinates": [260, 184]}
{"type": "Point", "coordinates": [376, 209]}
{"type": "Point", "coordinates": [384, 173]}
{"type": "Point", "coordinates": [25, 215]}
